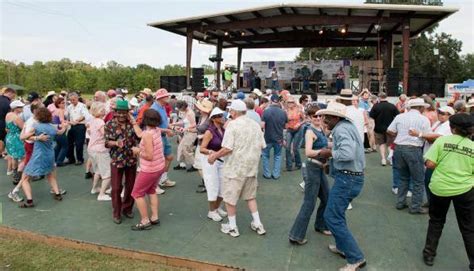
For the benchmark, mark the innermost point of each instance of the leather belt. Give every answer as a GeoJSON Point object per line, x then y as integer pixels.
{"type": "Point", "coordinates": [348, 172]}
{"type": "Point", "coordinates": [315, 161]}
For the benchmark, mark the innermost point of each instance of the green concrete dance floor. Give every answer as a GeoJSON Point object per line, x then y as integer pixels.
{"type": "Point", "coordinates": [390, 239]}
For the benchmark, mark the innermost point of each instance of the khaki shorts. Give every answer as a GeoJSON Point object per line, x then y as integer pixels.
{"type": "Point", "coordinates": [101, 163]}
{"type": "Point", "coordinates": [381, 138]}
{"type": "Point", "coordinates": [234, 188]}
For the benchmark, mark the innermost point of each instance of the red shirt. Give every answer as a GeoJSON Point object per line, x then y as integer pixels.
{"type": "Point", "coordinates": [259, 111]}
{"type": "Point", "coordinates": [168, 109]}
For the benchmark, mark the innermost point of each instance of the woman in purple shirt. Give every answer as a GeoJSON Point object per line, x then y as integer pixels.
{"type": "Point", "coordinates": [212, 174]}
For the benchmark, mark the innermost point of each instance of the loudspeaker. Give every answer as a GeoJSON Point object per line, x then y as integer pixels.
{"type": "Point", "coordinates": [374, 86]}
{"type": "Point", "coordinates": [392, 79]}
{"type": "Point", "coordinates": [173, 83]}
{"type": "Point", "coordinates": [197, 81]}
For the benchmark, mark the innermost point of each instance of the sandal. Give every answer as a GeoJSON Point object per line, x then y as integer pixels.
{"type": "Point", "coordinates": [141, 227]}
{"type": "Point", "coordinates": [25, 204]}
{"type": "Point", "coordinates": [155, 222]}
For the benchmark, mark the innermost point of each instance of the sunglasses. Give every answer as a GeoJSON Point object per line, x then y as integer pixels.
{"type": "Point", "coordinates": [317, 116]}
{"type": "Point", "coordinates": [218, 116]}
{"type": "Point", "coordinates": [443, 113]}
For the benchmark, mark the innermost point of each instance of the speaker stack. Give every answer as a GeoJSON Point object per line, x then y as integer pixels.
{"type": "Point", "coordinates": [173, 83]}
{"type": "Point", "coordinates": [197, 82]}
{"type": "Point", "coordinates": [392, 79]}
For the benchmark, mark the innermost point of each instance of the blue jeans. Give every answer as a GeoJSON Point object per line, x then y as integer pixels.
{"type": "Point", "coordinates": [396, 178]}
{"type": "Point", "coordinates": [345, 189]}
{"type": "Point", "coordinates": [410, 165]}
{"type": "Point", "coordinates": [60, 151]}
{"type": "Point", "coordinates": [315, 186]}
{"type": "Point", "coordinates": [76, 138]}
{"type": "Point", "coordinates": [275, 85]}
{"type": "Point", "coordinates": [293, 144]}
{"type": "Point", "coordinates": [275, 173]}
{"type": "Point", "coordinates": [305, 84]}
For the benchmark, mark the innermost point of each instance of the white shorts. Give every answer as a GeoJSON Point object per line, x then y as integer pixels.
{"type": "Point", "coordinates": [212, 175]}
{"type": "Point", "coordinates": [100, 163]}
{"type": "Point", "coordinates": [198, 158]}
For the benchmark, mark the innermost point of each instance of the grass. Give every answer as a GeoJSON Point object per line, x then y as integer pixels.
{"type": "Point", "coordinates": [22, 254]}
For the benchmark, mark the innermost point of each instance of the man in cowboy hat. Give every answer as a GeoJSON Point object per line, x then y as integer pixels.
{"type": "Point", "coordinates": [355, 115]}
{"type": "Point", "coordinates": [383, 114]}
{"type": "Point", "coordinates": [408, 154]}
{"type": "Point", "coordinates": [347, 166]}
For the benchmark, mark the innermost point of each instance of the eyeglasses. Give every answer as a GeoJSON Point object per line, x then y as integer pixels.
{"type": "Point", "coordinates": [317, 116]}
{"type": "Point", "coordinates": [443, 113]}
{"type": "Point", "coordinates": [218, 116]}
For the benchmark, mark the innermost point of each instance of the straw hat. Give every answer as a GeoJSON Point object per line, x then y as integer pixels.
{"type": "Point", "coordinates": [204, 105]}
{"type": "Point", "coordinates": [417, 102]}
{"type": "Point", "coordinates": [161, 93]}
{"type": "Point", "coordinates": [334, 109]}
{"type": "Point", "coordinates": [147, 91]}
{"type": "Point", "coordinates": [346, 94]}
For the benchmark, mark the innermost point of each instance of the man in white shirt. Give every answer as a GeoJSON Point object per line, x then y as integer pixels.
{"type": "Point", "coordinates": [355, 115]}
{"type": "Point", "coordinates": [78, 113]}
{"type": "Point", "coordinates": [408, 155]}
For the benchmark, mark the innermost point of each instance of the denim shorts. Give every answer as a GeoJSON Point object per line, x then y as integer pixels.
{"type": "Point", "coordinates": [166, 146]}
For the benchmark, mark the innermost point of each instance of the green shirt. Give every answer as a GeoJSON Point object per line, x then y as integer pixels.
{"type": "Point", "coordinates": [454, 158]}
{"type": "Point", "coordinates": [227, 75]}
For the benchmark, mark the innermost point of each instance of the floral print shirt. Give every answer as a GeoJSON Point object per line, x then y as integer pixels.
{"type": "Point", "coordinates": [121, 157]}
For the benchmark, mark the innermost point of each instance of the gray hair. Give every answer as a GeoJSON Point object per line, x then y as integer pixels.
{"type": "Point", "coordinates": [101, 94]}
{"type": "Point", "coordinates": [459, 105]}
{"type": "Point", "coordinates": [249, 102]}
{"type": "Point", "coordinates": [73, 94]}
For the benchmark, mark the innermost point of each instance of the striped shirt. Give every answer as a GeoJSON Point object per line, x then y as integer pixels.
{"type": "Point", "coordinates": [402, 123]}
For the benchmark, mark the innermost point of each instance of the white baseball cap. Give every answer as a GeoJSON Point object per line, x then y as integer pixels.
{"type": "Point", "coordinates": [237, 105]}
{"type": "Point", "coordinates": [447, 109]}
{"type": "Point", "coordinates": [16, 104]}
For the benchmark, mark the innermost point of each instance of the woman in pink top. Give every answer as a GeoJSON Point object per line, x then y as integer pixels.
{"type": "Point", "coordinates": [98, 153]}
{"type": "Point", "coordinates": [152, 164]}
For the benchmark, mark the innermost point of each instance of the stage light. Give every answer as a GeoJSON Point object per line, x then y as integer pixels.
{"type": "Point", "coordinates": [321, 32]}
{"type": "Point", "coordinates": [343, 30]}
{"type": "Point", "coordinates": [226, 33]}
{"type": "Point", "coordinates": [242, 33]}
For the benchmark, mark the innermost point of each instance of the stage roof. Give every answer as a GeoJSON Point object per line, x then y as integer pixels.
{"type": "Point", "coordinates": [299, 25]}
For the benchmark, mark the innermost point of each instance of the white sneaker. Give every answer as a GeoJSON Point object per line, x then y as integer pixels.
{"type": "Point", "coordinates": [9, 173]}
{"type": "Point", "coordinates": [349, 207]}
{"type": "Point", "coordinates": [390, 160]}
{"type": "Point", "coordinates": [94, 191]}
{"type": "Point", "coordinates": [302, 185]}
{"type": "Point", "coordinates": [108, 191]}
{"type": "Point", "coordinates": [221, 212]}
{"type": "Point", "coordinates": [15, 197]}
{"type": "Point", "coordinates": [168, 183]}
{"type": "Point", "coordinates": [384, 162]}
{"type": "Point", "coordinates": [104, 197]}
{"type": "Point", "coordinates": [160, 191]}
{"type": "Point", "coordinates": [257, 228]}
{"type": "Point", "coordinates": [234, 232]}
{"type": "Point", "coordinates": [409, 194]}
{"type": "Point", "coordinates": [354, 266]}
{"type": "Point", "coordinates": [394, 191]}
{"type": "Point", "coordinates": [214, 216]}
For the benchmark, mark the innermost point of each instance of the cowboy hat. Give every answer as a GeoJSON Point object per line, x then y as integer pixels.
{"type": "Point", "coordinates": [204, 105]}
{"type": "Point", "coordinates": [50, 93]}
{"type": "Point", "coordinates": [346, 94]}
{"type": "Point", "coordinates": [257, 92]}
{"type": "Point", "coordinates": [470, 103]}
{"type": "Point", "coordinates": [216, 111]}
{"type": "Point", "coordinates": [447, 109]}
{"type": "Point", "coordinates": [417, 102]}
{"type": "Point", "coordinates": [334, 109]}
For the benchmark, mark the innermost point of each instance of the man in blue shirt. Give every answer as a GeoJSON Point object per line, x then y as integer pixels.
{"type": "Point", "coordinates": [274, 120]}
{"type": "Point", "coordinates": [347, 168]}
{"type": "Point", "coordinates": [161, 98]}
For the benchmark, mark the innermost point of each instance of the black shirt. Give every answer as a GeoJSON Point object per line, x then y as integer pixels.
{"type": "Point", "coordinates": [4, 109]}
{"type": "Point", "coordinates": [383, 113]}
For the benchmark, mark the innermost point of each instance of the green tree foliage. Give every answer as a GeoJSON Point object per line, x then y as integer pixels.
{"type": "Point", "coordinates": [65, 74]}
{"type": "Point", "coordinates": [448, 63]}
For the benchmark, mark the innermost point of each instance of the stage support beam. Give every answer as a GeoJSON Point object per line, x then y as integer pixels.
{"type": "Point", "coordinates": [218, 66]}
{"type": "Point", "coordinates": [406, 54]}
{"type": "Point", "coordinates": [189, 49]}
{"type": "Point", "coordinates": [239, 61]}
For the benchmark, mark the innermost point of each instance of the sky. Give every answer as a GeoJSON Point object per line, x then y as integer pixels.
{"type": "Point", "coordinates": [98, 31]}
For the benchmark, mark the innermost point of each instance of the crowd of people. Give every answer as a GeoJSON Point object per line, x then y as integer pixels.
{"type": "Point", "coordinates": [129, 153]}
